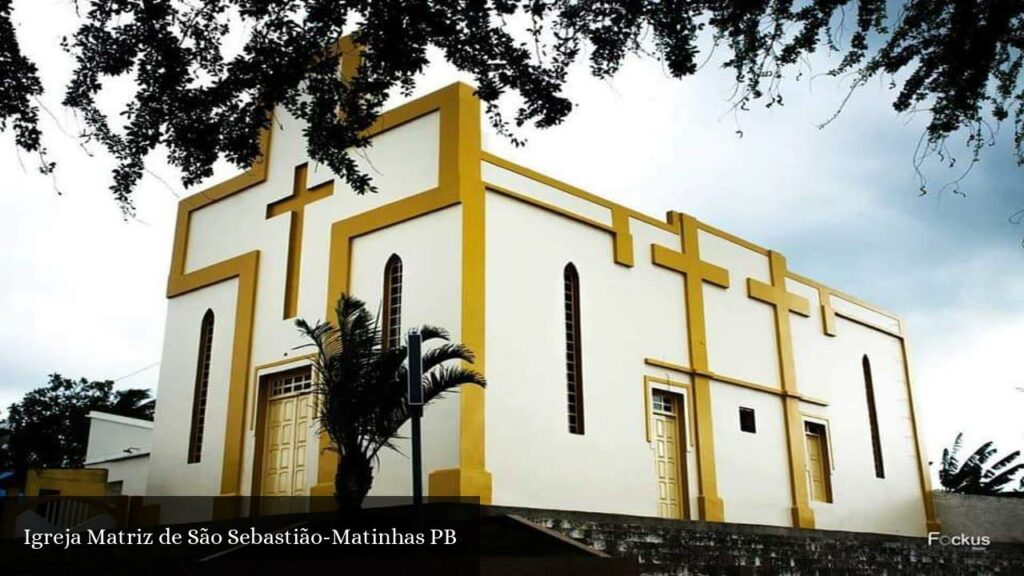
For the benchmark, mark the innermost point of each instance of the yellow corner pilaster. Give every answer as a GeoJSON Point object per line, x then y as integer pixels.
{"type": "Point", "coordinates": [622, 238]}
{"type": "Point", "coordinates": [932, 523]}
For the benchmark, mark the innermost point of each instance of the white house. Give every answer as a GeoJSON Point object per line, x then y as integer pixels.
{"type": "Point", "coordinates": [636, 365]}
{"type": "Point", "coordinates": [120, 445]}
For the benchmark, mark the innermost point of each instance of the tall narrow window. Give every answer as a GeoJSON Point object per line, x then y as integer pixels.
{"type": "Point", "coordinates": [195, 440]}
{"type": "Point", "coordinates": [573, 357]}
{"type": "Point", "coordinates": [391, 330]}
{"type": "Point", "coordinates": [876, 440]}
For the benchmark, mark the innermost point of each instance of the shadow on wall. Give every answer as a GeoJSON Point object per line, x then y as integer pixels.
{"type": "Point", "coordinates": [998, 518]}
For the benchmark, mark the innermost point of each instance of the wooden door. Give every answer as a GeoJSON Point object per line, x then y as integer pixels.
{"type": "Point", "coordinates": [668, 456]}
{"type": "Point", "coordinates": [288, 422]}
{"type": "Point", "coordinates": [817, 464]}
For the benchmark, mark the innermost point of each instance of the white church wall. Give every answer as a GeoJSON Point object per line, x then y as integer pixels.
{"type": "Point", "coordinates": [542, 192]}
{"type": "Point", "coordinates": [830, 369]}
{"type": "Point", "coordinates": [170, 474]}
{"type": "Point", "coordinates": [854, 310]}
{"type": "Point", "coordinates": [626, 313]}
{"type": "Point", "coordinates": [753, 468]}
{"type": "Point", "coordinates": [431, 251]}
{"type": "Point", "coordinates": [740, 330]}
{"type": "Point", "coordinates": [402, 162]}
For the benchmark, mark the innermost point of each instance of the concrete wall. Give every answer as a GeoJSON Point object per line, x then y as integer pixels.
{"type": "Point", "coordinates": [66, 482]}
{"type": "Point", "coordinates": [625, 314]}
{"type": "Point", "coordinates": [1001, 519]}
{"type": "Point", "coordinates": [121, 446]}
{"type": "Point", "coordinates": [133, 473]}
{"type": "Point", "coordinates": [112, 436]}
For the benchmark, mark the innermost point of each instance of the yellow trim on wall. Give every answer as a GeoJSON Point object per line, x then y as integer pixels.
{"type": "Point", "coordinates": [734, 381]}
{"type": "Point", "coordinates": [616, 208]}
{"type": "Point", "coordinates": [828, 432]}
{"type": "Point", "coordinates": [459, 183]}
{"type": "Point", "coordinates": [573, 191]}
{"type": "Point", "coordinates": [549, 207]}
{"type": "Point", "coordinates": [732, 238]}
{"type": "Point", "coordinates": [620, 229]}
{"type": "Point", "coordinates": [829, 313]}
{"type": "Point", "coordinates": [244, 268]}
{"type": "Point", "coordinates": [691, 416]}
{"type": "Point", "coordinates": [623, 239]}
{"type": "Point", "coordinates": [269, 365]}
{"type": "Point", "coordinates": [931, 520]}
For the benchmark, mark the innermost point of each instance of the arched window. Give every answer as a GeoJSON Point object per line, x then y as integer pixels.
{"type": "Point", "coordinates": [391, 329]}
{"type": "Point", "coordinates": [195, 440]}
{"type": "Point", "coordinates": [573, 356]}
{"type": "Point", "coordinates": [876, 440]}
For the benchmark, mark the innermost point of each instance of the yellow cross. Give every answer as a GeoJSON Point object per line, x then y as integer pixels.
{"type": "Point", "coordinates": [295, 204]}
{"type": "Point", "coordinates": [695, 273]}
{"type": "Point", "coordinates": [784, 302]}
{"type": "Point", "coordinates": [687, 261]}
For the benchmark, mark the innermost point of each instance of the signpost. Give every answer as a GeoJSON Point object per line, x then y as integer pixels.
{"type": "Point", "coordinates": [416, 411]}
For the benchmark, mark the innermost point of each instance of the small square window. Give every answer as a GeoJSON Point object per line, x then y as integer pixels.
{"type": "Point", "coordinates": [747, 421]}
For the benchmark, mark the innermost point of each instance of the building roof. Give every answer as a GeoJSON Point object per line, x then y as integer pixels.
{"type": "Point", "coordinates": [139, 422]}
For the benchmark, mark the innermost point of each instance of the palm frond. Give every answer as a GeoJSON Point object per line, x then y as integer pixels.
{"type": "Point", "coordinates": [363, 386]}
{"type": "Point", "coordinates": [1002, 463]}
{"type": "Point", "coordinates": [996, 484]}
{"type": "Point", "coordinates": [447, 352]}
{"type": "Point", "coordinates": [954, 461]}
{"type": "Point", "coordinates": [446, 378]}
{"type": "Point", "coordinates": [430, 333]}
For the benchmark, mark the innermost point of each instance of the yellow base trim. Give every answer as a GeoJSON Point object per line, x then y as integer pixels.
{"type": "Point", "coordinates": [461, 482]}
{"type": "Point", "coordinates": [711, 508]}
{"type": "Point", "coordinates": [803, 517]}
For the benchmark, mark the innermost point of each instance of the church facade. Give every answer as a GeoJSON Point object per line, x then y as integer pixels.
{"type": "Point", "coordinates": [635, 365]}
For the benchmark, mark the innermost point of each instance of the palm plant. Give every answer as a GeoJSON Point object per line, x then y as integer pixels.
{"type": "Point", "coordinates": [362, 389]}
{"type": "Point", "coordinates": [972, 477]}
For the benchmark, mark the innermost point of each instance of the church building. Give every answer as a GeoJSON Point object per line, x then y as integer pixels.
{"type": "Point", "coordinates": [635, 365]}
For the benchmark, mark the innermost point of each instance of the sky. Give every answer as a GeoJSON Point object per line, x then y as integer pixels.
{"type": "Point", "coordinates": [82, 289]}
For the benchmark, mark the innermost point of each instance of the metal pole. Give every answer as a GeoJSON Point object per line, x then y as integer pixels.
{"type": "Point", "coordinates": [417, 459]}
{"type": "Point", "coordinates": [416, 412]}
